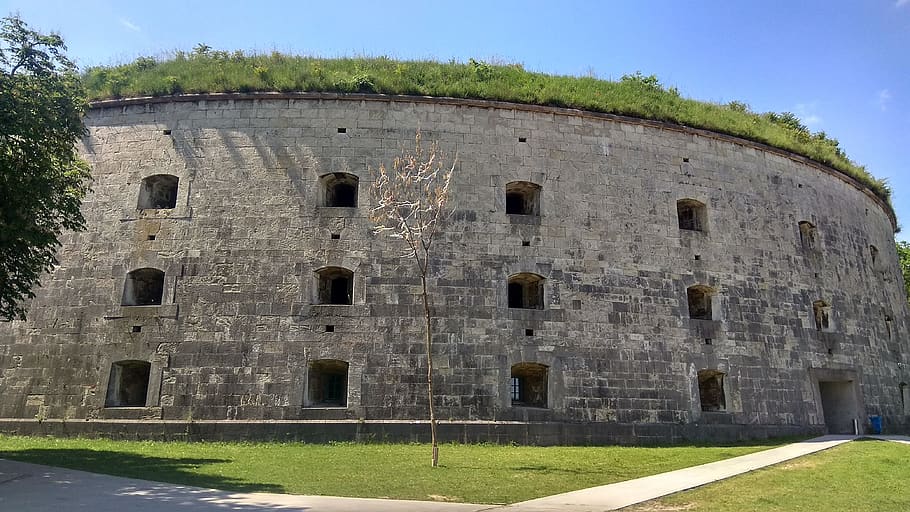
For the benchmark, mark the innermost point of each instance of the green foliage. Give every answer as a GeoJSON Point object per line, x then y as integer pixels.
{"type": "Point", "coordinates": [42, 179]}
{"type": "Point", "coordinates": [638, 95]}
{"type": "Point", "coordinates": [903, 256]}
{"type": "Point", "coordinates": [471, 473]}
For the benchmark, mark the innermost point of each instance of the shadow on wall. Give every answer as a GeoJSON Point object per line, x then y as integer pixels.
{"type": "Point", "coordinates": [131, 465]}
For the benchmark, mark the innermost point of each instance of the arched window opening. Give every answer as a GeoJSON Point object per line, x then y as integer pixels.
{"type": "Point", "coordinates": [529, 385]}
{"type": "Point", "coordinates": [692, 215]}
{"type": "Point", "coordinates": [129, 384]}
{"type": "Point", "coordinates": [522, 198]}
{"type": "Point", "coordinates": [873, 254]}
{"type": "Point", "coordinates": [339, 190]}
{"type": "Point", "coordinates": [158, 192]}
{"type": "Point", "coordinates": [808, 235]}
{"type": "Point", "coordinates": [821, 310]}
{"type": "Point", "coordinates": [711, 390]}
{"type": "Point", "coordinates": [143, 287]}
{"type": "Point", "coordinates": [327, 383]}
{"type": "Point", "coordinates": [526, 291]}
{"type": "Point", "coordinates": [335, 285]}
{"type": "Point", "coordinates": [700, 298]}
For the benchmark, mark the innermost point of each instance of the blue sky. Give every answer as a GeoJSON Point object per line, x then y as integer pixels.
{"type": "Point", "coordinates": [843, 66]}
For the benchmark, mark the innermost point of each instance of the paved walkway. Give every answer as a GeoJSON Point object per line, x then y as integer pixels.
{"type": "Point", "coordinates": [630, 492]}
{"type": "Point", "coordinates": [33, 488]}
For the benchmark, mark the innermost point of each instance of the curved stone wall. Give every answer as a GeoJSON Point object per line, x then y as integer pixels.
{"type": "Point", "coordinates": [661, 276]}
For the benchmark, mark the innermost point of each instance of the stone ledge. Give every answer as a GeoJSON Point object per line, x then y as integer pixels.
{"type": "Point", "coordinates": [324, 431]}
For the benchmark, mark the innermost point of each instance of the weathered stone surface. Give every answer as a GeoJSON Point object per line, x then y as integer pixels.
{"type": "Point", "coordinates": [239, 323]}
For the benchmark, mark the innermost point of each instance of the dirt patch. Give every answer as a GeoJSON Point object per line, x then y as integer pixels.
{"type": "Point", "coordinates": [440, 497]}
{"type": "Point", "coordinates": [656, 506]}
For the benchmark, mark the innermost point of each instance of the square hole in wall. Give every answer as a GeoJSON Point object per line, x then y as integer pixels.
{"type": "Point", "coordinates": [685, 159]}
{"type": "Point", "coordinates": [709, 341]}
{"type": "Point", "coordinates": [342, 130]}
{"type": "Point", "coordinates": [698, 257]}
{"type": "Point", "coordinates": [152, 237]}
{"type": "Point", "coordinates": [336, 236]}
{"type": "Point", "coordinates": [526, 243]}
{"type": "Point", "coordinates": [522, 139]}
{"type": "Point", "coordinates": [166, 132]}
{"type": "Point", "coordinates": [529, 332]}
{"type": "Point", "coordinates": [576, 304]}
{"type": "Point", "coordinates": [830, 351]}
{"type": "Point", "coordinates": [330, 328]}
{"type": "Point", "coordinates": [137, 328]}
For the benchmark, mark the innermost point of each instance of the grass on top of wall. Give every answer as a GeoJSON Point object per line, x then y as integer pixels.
{"type": "Point", "coordinates": [467, 473]}
{"type": "Point", "coordinates": [205, 70]}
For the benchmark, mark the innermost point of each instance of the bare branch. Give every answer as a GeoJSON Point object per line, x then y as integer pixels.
{"type": "Point", "coordinates": [410, 201]}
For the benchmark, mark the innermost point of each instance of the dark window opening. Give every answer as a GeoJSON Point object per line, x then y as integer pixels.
{"type": "Point", "coordinates": [522, 139]}
{"type": "Point", "coordinates": [905, 397]}
{"type": "Point", "coordinates": [522, 198]}
{"type": "Point", "coordinates": [330, 328]}
{"type": "Point", "coordinates": [699, 298]}
{"type": "Point", "coordinates": [529, 385]}
{"type": "Point", "coordinates": [166, 132]}
{"type": "Point", "coordinates": [339, 190]}
{"type": "Point", "coordinates": [808, 235]}
{"type": "Point", "coordinates": [158, 192]}
{"type": "Point", "coordinates": [143, 287]}
{"type": "Point", "coordinates": [336, 236]}
{"type": "Point", "coordinates": [137, 328]}
{"type": "Point", "coordinates": [821, 310]}
{"type": "Point", "coordinates": [335, 286]}
{"type": "Point", "coordinates": [526, 291]}
{"type": "Point", "coordinates": [529, 332]}
{"type": "Point", "coordinates": [342, 130]}
{"type": "Point", "coordinates": [691, 215]}
{"type": "Point", "coordinates": [711, 390]}
{"type": "Point", "coordinates": [328, 383]}
{"type": "Point", "coordinates": [129, 384]}
{"type": "Point", "coordinates": [873, 253]}
{"type": "Point", "coordinates": [709, 341]}
{"type": "Point", "coordinates": [526, 243]}
{"type": "Point", "coordinates": [152, 237]}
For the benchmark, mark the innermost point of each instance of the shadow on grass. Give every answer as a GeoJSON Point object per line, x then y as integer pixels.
{"type": "Point", "coordinates": [132, 465]}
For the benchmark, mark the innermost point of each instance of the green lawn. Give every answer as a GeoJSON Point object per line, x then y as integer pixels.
{"type": "Point", "coordinates": [862, 475]}
{"type": "Point", "coordinates": [470, 473]}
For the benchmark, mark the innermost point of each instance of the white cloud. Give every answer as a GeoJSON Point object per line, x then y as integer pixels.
{"type": "Point", "coordinates": [806, 114]}
{"type": "Point", "coordinates": [130, 25]}
{"type": "Point", "coordinates": [901, 3]}
{"type": "Point", "coordinates": [884, 96]}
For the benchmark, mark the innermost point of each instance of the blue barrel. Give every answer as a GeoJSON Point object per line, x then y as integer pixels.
{"type": "Point", "coordinates": [876, 423]}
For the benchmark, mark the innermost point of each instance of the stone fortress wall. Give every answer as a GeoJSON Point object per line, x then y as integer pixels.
{"type": "Point", "coordinates": [650, 280]}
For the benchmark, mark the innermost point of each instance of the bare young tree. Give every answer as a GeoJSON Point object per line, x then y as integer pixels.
{"type": "Point", "coordinates": [410, 201]}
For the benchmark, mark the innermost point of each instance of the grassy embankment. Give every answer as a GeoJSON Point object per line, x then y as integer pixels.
{"type": "Point", "coordinates": [469, 473]}
{"type": "Point", "coordinates": [635, 95]}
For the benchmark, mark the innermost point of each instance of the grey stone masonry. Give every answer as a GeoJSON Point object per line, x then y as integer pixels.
{"type": "Point", "coordinates": [275, 306]}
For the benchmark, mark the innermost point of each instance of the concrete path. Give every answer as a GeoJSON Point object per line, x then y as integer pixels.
{"type": "Point", "coordinates": [630, 492]}
{"type": "Point", "coordinates": [33, 488]}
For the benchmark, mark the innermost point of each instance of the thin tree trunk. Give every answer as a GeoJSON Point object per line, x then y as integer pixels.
{"type": "Point", "coordinates": [426, 312]}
